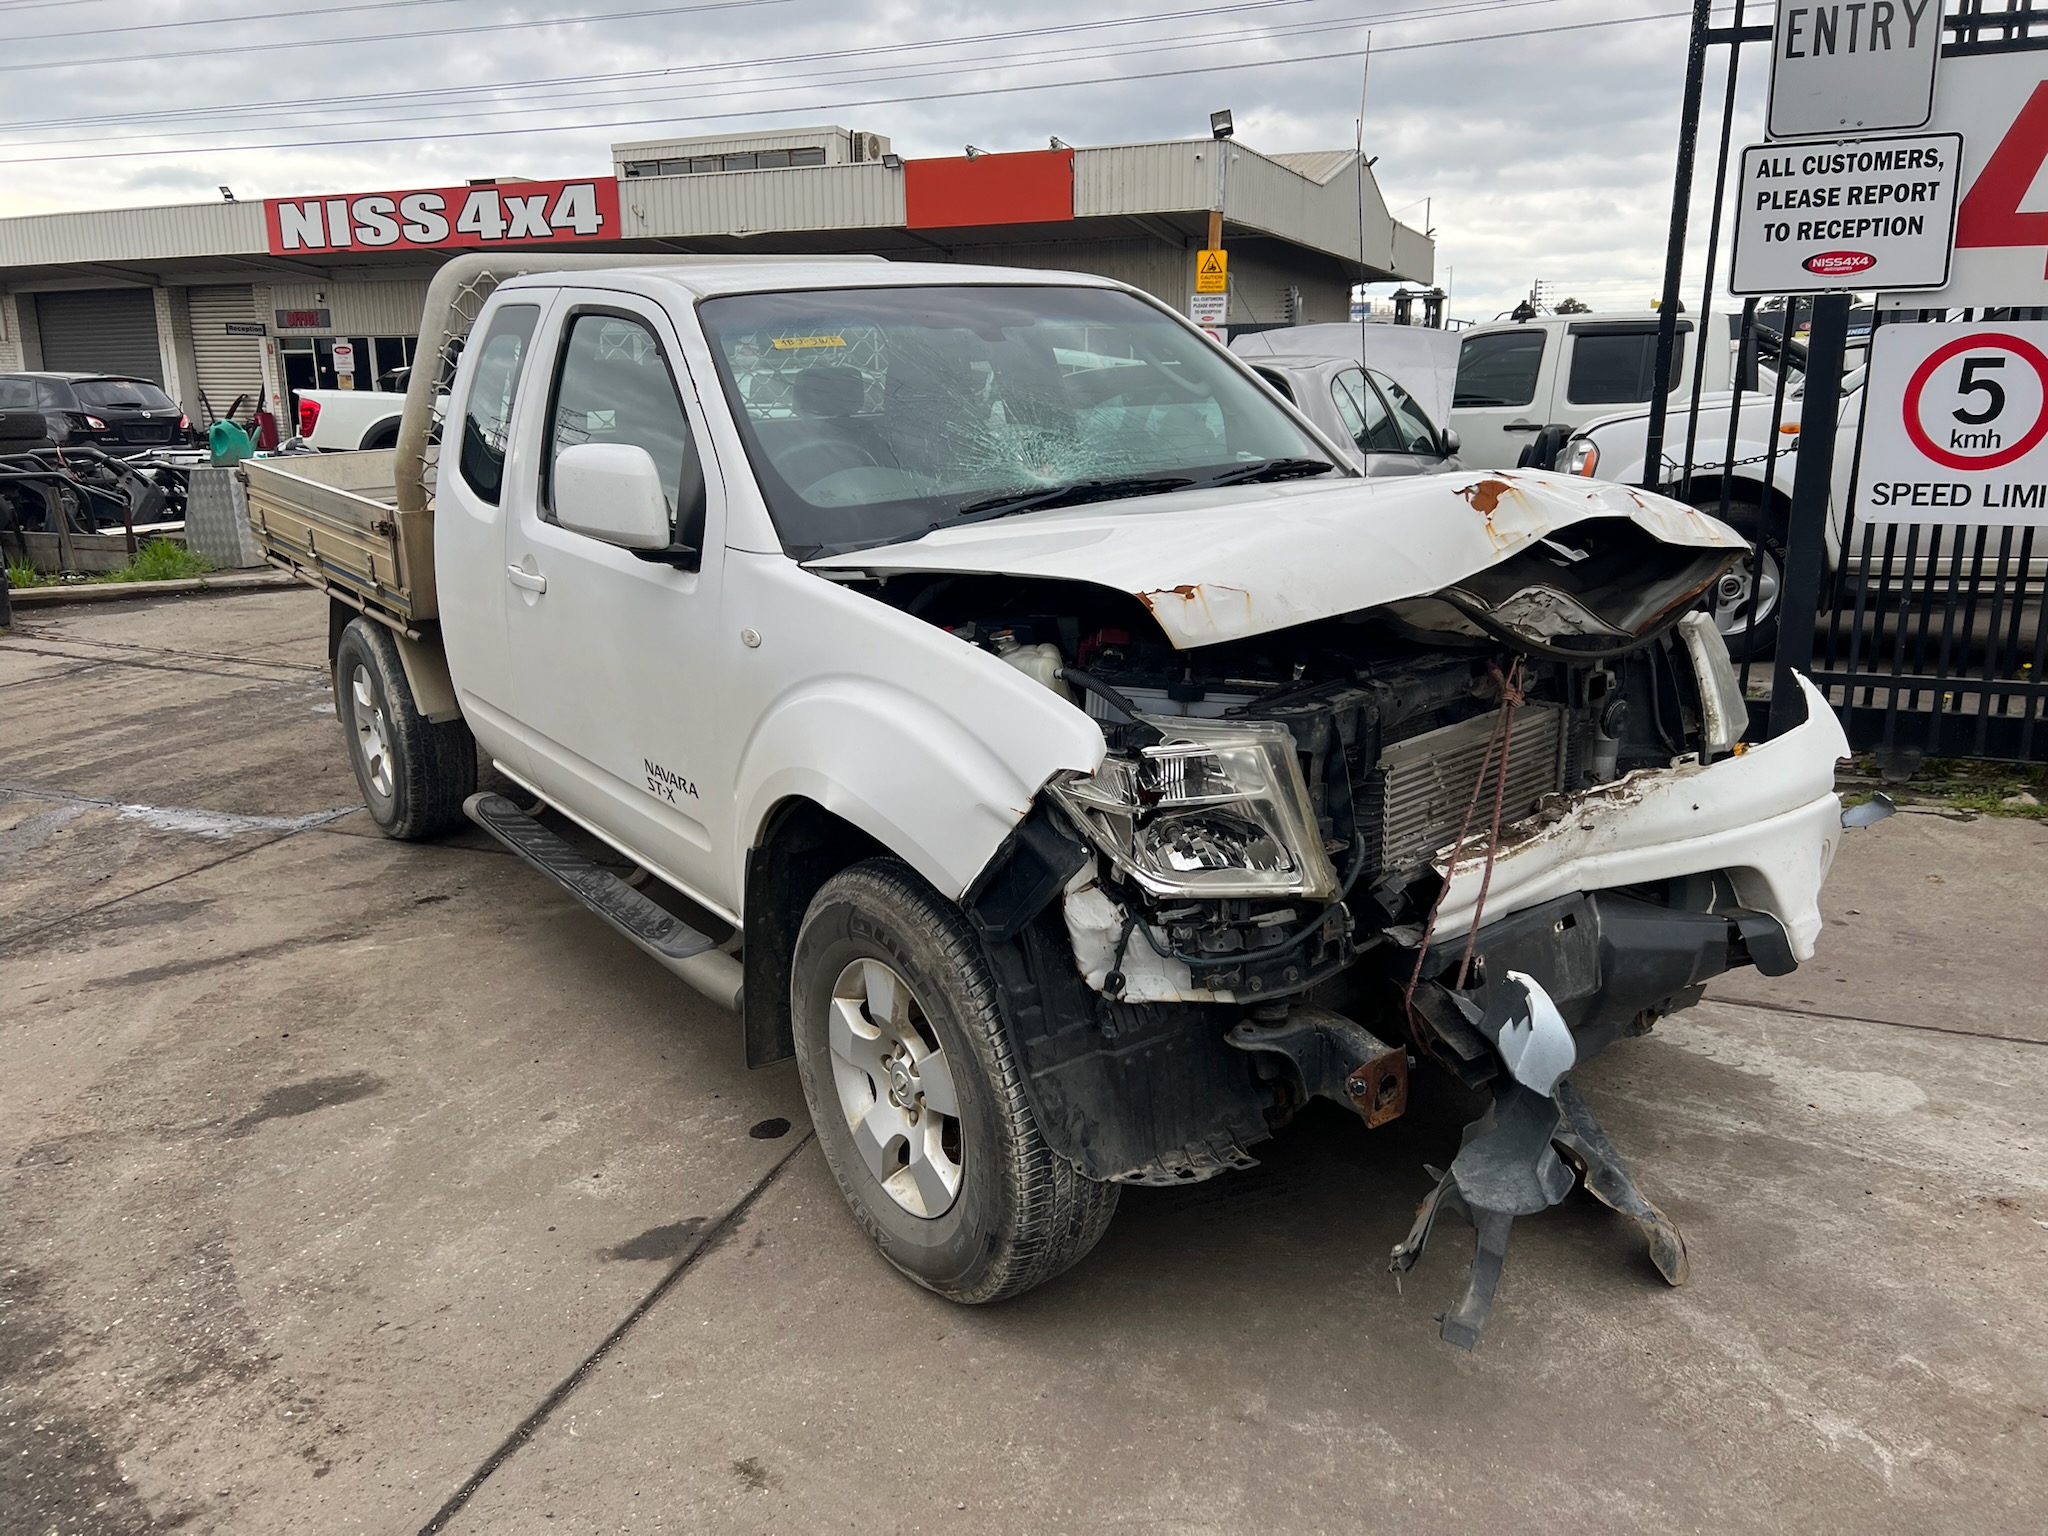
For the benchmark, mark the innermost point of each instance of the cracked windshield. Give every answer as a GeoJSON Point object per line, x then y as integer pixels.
{"type": "Point", "coordinates": [876, 415]}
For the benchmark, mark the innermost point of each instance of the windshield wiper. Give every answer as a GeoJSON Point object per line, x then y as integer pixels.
{"type": "Point", "coordinates": [1073, 494]}
{"type": "Point", "coordinates": [1272, 469]}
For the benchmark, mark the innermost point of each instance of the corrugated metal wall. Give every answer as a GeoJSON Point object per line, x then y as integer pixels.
{"type": "Point", "coordinates": [762, 202]}
{"type": "Point", "coordinates": [100, 330]}
{"type": "Point", "coordinates": [1161, 269]}
{"type": "Point", "coordinates": [1262, 271]}
{"type": "Point", "coordinates": [225, 366]}
{"type": "Point", "coordinates": [357, 308]}
{"type": "Point", "coordinates": [1143, 178]}
{"type": "Point", "coordinates": [134, 234]}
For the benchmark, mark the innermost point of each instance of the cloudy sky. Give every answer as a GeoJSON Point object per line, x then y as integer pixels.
{"type": "Point", "coordinates": [1542, 144]}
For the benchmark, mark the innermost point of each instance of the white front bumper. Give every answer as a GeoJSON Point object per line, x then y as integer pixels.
{"type": "Point", "coordinates": [1770, 818]}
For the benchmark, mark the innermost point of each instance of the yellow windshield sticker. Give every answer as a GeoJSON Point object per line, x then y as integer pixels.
{"type": "Point", "coordinates": [798, 343]}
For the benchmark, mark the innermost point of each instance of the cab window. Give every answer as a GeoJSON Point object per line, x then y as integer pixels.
{"type": "Point", "coordinates": [494, 381]}
{"type": "Point", "coordinates": [1498, 369]}
{"type": "Point", "coordinates": [1363, 414]}
{"type": "Point", "coordinates": [1409, 420]}
{"type": "Point", "coordinates": [613, 386]}
{"type": "Point", "coordinates": [1618, 368]}
{"type": "Point", "coordinates": [17, 394]}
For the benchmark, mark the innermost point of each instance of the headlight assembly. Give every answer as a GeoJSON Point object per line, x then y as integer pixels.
{"type": "Point", "coordinates": [1582, 457]}
{"type": "Point", "coordinates": [1213, 810]}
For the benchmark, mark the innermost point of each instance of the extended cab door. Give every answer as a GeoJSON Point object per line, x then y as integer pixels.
{"type": "Point", "coordinates": [483, 459]}
{"type": "Point", "coordinates": [1502, 398]}
{"type": "Point", "coordinates": [614, 650]}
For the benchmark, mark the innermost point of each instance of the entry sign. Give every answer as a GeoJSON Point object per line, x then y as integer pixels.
{"type": "Point", "coordinates": [1212, 272]}
{"type": "Point", "coordinates": [1853, 66]}
{"type": "Point", "coordinates": [1846, 213]}
{"type": "Point", "coordinates": [1958, 429]}
{"type": "Point", "coordinates": [345, 357]}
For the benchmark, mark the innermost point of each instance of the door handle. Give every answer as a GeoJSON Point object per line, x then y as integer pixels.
{"type": "Point", "coordinates": [1521, 426]}
{"type": "Point", "coordinates": [532, 581]}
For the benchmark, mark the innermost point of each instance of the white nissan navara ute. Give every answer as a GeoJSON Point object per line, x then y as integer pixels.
{"type": "Point", "coordinates": [1030, 723]}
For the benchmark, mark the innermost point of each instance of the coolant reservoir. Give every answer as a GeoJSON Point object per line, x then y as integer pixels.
{"type": "Point", "coordinates": [1041, 662]}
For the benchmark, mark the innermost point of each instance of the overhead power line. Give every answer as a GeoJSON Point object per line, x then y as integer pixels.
{"type": "Point", "coordinates": [279, 45]}
{"type": "Point", "coordinates": [319, 11]}
{"type": "Point", "coordinates": [958, 65]}
{"type": "Point", "coordinates": [878, 101]}
{"type": "Point", "coordinates": [411, 96]}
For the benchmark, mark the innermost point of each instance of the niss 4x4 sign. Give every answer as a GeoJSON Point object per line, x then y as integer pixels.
{"type": "Point", "coordinates": [1846, 213]}
{"type": "Point", "coordinates": [510, 214]}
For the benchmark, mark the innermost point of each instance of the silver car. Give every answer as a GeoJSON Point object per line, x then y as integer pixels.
{"type": "Point", "coordinates": [1382, 426]}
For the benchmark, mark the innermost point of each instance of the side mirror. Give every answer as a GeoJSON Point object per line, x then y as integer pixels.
{"type": "Point", "coordinates": [612, 491]}
{"type": "Point", "coordinates": [1451, 442]}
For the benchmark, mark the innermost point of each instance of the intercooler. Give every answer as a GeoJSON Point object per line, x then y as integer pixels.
{"type": "Point", "coordinates": [1415, 798]}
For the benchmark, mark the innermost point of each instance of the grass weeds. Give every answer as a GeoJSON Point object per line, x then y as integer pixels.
{"type": "Point", "coordinates": [161, 560]}
{"type": "Point", "coordinates": [21, 576]}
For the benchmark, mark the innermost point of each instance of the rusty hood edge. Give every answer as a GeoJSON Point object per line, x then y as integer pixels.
{"type": "Point", "coordinates": [1227, 563]}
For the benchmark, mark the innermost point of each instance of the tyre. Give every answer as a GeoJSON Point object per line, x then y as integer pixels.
{"type": "Point", "coordinates": [383, 435]}
{"type": "Point", "coordinates": [918, 1097]}
{"type": "Point", "coordinates": [1761, 572]}
{"type": "Point", "coordinates": [414, 772]}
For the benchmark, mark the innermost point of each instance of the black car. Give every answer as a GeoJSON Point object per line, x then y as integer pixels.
{"type": "Point", "coordinates": [91, 410]}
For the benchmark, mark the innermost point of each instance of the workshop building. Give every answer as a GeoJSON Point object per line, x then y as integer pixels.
{"type": "Point", "coordinates": [247, 300]}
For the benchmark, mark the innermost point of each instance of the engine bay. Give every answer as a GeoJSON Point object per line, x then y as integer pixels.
{"type": "Point", "coordinates": [1389, 726]}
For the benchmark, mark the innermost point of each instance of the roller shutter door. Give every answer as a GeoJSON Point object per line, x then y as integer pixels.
{"type": "Point", "coordinates": [100, 330]}
{"type": "Point", "coordinates": [227, 365]}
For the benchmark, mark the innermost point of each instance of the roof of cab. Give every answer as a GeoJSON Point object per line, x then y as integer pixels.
{"type": "Point", "coordinates": [707, 277]}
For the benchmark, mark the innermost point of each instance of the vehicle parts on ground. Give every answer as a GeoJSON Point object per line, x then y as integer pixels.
{"type": "Point", "coordinates": [80, 490]}
{"type": "Point", "coordinates": [1513, 1160]}
{"type": "Point", "coordinates": [1523, 1156]}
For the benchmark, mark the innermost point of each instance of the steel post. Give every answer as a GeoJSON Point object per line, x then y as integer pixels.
{"type": "Point", "coordinates": [1674, 251]}
{"type": "Point", "coordinates": [1806, 538]}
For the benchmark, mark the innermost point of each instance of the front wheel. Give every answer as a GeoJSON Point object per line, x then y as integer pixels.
{"type": "Point", "coordinates": [414, 772]}
{"type": "Point", "coordinates": [918, 1096]}
{"type": "Point", "coordinates": [1745, 601]}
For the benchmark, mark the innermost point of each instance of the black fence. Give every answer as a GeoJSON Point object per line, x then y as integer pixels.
{"type": "Point", "coordinates": [1930, 640]}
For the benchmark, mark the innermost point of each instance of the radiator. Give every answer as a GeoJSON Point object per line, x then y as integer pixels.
{"type": "Point", "coordinates": [1415, 798]}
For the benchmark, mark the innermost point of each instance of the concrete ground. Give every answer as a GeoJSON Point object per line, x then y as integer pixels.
{"type": "Point", "coordinates": [349, 1186]}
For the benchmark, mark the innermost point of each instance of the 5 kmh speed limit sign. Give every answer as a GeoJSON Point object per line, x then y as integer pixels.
{"type": "Point", "coordinates": [1958, 425]}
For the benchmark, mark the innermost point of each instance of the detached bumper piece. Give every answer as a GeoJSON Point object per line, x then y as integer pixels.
{"type": "Point", "coordinates": [1524, 1155]}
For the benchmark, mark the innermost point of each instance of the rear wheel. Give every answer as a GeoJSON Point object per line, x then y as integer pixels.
{"type": "Point", "coordinates": [918, 1096]}
{"type": "Point", "coordinates": [1745, 601]}
{"type": "Point", "coordinates": [383, 435]}
{"type": "Point", "coordinates": [414, 772]}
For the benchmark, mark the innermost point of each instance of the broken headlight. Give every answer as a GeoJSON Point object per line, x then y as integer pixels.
{"type": "Point", "coordinates": [1214, 809]}
{"type": "Point", "coordinates": [1724, 713]}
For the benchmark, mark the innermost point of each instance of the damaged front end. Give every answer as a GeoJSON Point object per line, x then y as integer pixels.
{"type": "Point", "coordinates": [1494, 827]}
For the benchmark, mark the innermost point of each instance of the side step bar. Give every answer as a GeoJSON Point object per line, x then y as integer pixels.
{"type": "Point", "coordinates": [685, 951]}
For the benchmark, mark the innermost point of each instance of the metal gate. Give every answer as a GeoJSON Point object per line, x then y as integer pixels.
{"type": "Point", "coordinates": [100, 330]}
{"type": "Point", "coordinates": [229, 366]}
{"type": "Point", "coordinates": [1929, 639]}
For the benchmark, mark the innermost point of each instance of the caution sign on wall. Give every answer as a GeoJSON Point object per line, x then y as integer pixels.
{"type": "Point", "coordinates": [1212, 272]}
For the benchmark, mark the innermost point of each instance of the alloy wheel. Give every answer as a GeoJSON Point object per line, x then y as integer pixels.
{"type": "Point", "coordinates": [895, 1088]}
{"type": "Point", "coordinates": [373, 738]}
{"type": "Point", "coordinates": [1758, 569]}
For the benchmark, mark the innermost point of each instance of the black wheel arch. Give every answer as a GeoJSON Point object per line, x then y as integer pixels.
{"type": "Point", "coordinates": [800, 846]}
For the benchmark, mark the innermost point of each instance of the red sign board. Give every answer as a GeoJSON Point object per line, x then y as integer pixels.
{"type": "Point", "coordinates": [1036, 187]}
{"type": "Point", "coordinates": [514, 214]}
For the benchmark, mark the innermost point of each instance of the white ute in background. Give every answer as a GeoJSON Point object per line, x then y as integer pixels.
{"type": "Point", "coordinates": [1025, 720]}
